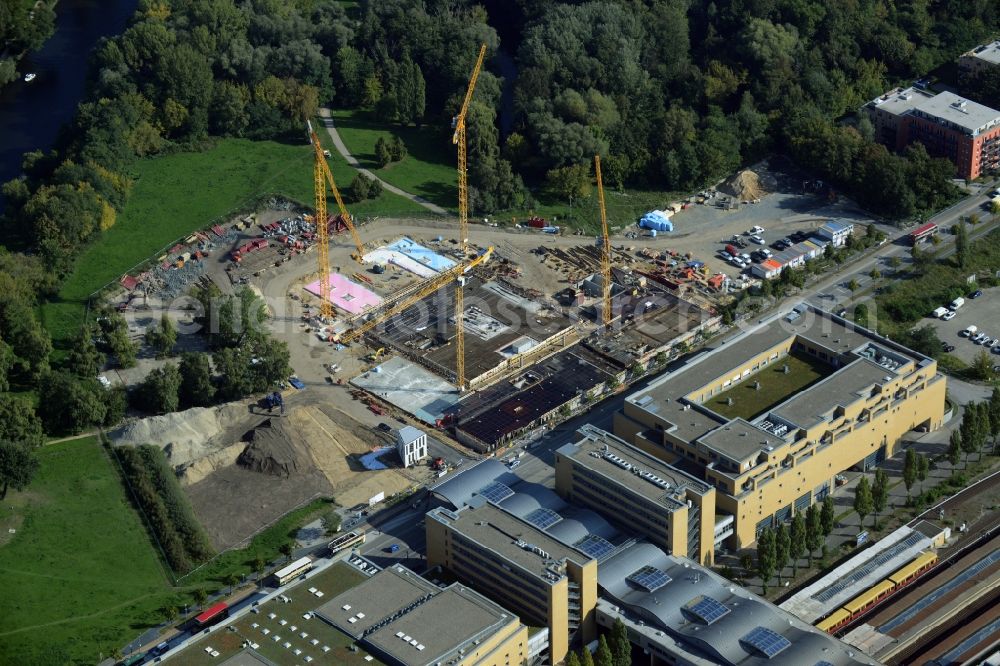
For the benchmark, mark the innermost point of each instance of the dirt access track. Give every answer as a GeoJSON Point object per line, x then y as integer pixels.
{"type": "Point", "coordinates": [243, 468]}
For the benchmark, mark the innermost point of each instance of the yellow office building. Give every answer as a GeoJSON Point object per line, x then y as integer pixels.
{"type": "Point", "coordinates": [546, 582]}
{"type": "Point", "coordinates": [770, 417]}
{"type": "Point", "coordinates": [640, 493]}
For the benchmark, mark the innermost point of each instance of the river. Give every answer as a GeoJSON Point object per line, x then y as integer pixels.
{"type": "Point", "coordinates": [32, 113]}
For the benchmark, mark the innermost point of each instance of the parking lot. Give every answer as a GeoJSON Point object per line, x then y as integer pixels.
{"type": "Point", "coordinates": [982, 312]}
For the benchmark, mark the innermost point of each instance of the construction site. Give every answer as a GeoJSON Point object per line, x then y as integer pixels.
{"type": "Point", "coordinates": [482, 335]}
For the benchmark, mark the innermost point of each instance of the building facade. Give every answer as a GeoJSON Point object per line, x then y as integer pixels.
{"type": "Point", "coordinates": [780, 452]}
{"type": "Point", "coordinates": [946, 124]}
{"type": "Point", "coordinates": [638, 492]}
{"type": "Point", "coordinates": [411, 443]}
{"type": "Point", "coordinates": [511, 561]}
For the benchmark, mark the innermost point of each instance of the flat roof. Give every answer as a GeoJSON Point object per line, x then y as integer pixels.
{"type": "Point", "coordinates": [375, 599]}
{"type": "Point", "coordinates": [691, 421]}
{"type": "Point", "coordinates": [452, 620]}
{"type": "Point", "coordinates": [963, 113]}
{"type": "Point", "coordinates": [596, 441]}
{"type": "Point", "coordinates": [247, 657]}
{"type": "Point", "coordinates": [511, 538]}
{"type": "Point", "coordinates": [809, 407]}
{"type": "Point", "coordinates": [900, 100]}
{"type": "Point", "coordinates": [987, 52]}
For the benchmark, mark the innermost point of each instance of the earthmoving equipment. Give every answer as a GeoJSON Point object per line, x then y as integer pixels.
{"type": "Point", "coordinates": [322, 176]}
{"type": "Point", "coordinates": [458, 138]}
{"type": "Point", "coordinates": [606, 249]}
{"type": "Point", "coordinates": [272, 400]}
{"type": "Point", "coordinates": [377, 316]}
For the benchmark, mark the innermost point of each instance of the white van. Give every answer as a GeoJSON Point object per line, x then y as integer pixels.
{"type": "Point", "coordinates": [940, 312]}
{"type": "Point", "coordinates": [969, 332]}
{"type": "Point", "coordinates": [957, 303]}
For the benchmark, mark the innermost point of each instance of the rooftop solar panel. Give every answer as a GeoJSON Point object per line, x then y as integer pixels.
{"type": "Point", "coordinates": [595, 546]}
{"type": "Point", "coordinates": [543, 518]}
{"type": "Point", "coordinates": [871, 565]}
{"type": "Point", "coordinates": [649, 578]}
{"type": "Point", "coordinates": [765, 641]}
{"type": "Point", "coordinates": [707, 609]}
{"type": "Point", "coordinates": [496, 492]}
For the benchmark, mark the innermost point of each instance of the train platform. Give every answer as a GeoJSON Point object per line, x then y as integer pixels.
{"type": "Point", "coordinates": [864, 570]}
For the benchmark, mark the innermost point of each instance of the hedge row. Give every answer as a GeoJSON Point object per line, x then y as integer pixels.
{"type": "Point", "coordinates": [170, 516]}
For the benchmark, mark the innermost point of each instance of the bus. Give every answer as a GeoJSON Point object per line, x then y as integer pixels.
{"type": "Point", "coordinates": [211, 615]}
{"type": "Point", "coordinates": [292, 571]}
{"type": "Point", "coordinates": [345, 541]}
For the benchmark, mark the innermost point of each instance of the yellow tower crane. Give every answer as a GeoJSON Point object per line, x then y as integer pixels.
{"type": "Point", "coordinates": [458, 138]}
{"type": "Point", "coordinates": [321, 177]}
{"type": "Point", "coordinates": [605, 249]}
{"type": "Point", "coordinates": [429, 287]}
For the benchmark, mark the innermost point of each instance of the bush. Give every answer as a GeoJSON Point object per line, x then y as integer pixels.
{"type": "Point", "coordinates": [363, 187]}
{"type": "Point", "coordinates": [170, 517]}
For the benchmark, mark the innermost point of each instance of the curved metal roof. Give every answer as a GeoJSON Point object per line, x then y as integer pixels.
{"type": "Point", "coordinates": [593, 521]}
{"type": "Point", "coordinates": [520, 504]}
{"type": "Point", "coordinates": [568, 530]}
{"type": "Point", "coordinates": [544, 496]}
{"type": "Point", "coordinates": [720, 640]}
{"type": "Point", "coordinates": [461, 487]}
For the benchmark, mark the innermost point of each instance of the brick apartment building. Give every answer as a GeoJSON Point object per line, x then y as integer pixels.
{"type": "Point", "coordinates": [948, 125]}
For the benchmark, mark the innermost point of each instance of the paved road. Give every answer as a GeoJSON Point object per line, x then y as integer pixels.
{"type": "Point", "coordinates": [353, 161]}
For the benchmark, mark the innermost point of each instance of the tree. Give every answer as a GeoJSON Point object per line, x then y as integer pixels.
{"type": "Point", "coordinates": [970, 429]}
{"type": "Point", "coordinates": [72, 404]}
{"type": "Point", "coordinates": [766, 559]}
{"type": "Point", "coordinates": [116, 405]}
{"type": "Point", "coordinates": [362, 187]}
{"type": "Point", "coordinates": [196, 389]}
{"type": "Point", "coordinates": [797, 541]}
{"type": "Point", "coordinates": [853, 285]}
{"type": "Point", "coordinates": [782, 548]}
{"type": "Point", "coordinates": [923, 467]}
{"type": "Point", "coordinates": [586, 658]}
{"type": "Point", "coordinates": [982, 366]}
{"type": "Point", "coordinates": [169, 613]}
{"type": "Point", "coordinates": [954, 448]}
{"type": "Point", "coordinates": [287, 549]}
{"type": "Point", "coordinates": [18, 465]}
{"type": "Point", "coordinates": [961, 245]}
{"type": "Point", "coordinates": [162, 337]}
{"type": "Point", "coordinates": [863, 502]}
{"type": "Point", "coordinates": [895, 262]}
{"type": "Point", "coordinates": [621, 647]}
{"type": "Point", "coordinates": [746, 563]}
{"type": "Point", "coordinates": [119, 341]}
{"type": "Point", "coordinates": [397, 149]}
{"type": "Point", "coordinates": [159, 392]}
{"type": "Point", "coordinates": [880, 491]}
{"type": "Point", "coordinates": [993, 412]}
{"type": "Point", "coordinates": [84, 360]}
{"type": "Point", "coordinates": [572, 659]}
{"type": "Point", "coordinates": [231, 580]}
{"type": "Point", "coordinates": [199, 596]}
{"type": "Point", "coordinates": [861, 315]}
{"type": "Point", "coordinates": [570, 182]}
{"type": "Point", "coordinates": [18, 422]}
{"type": "Point", "coordinates": [875, 274]}
{"type": "Point", "coordinates": [828, 515]}
{"type": "Point", "coordinates": [383, 153]}
{"type": "Point", "coordinates": [814, 530]}
{"type": "Point", "coordinates": [910, 468]}
{"type": "Point", "coordinates": [603, 656]}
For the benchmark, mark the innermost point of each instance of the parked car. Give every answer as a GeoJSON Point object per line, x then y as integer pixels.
{"type": "Point", "coordinates": [840, 312]}
{"type": "Point", "coordinates": [779, 245]}
{"type": "Point", "coordinates": [757, 239]}
{"type": "Point", "coordinates": [393, 548]}
{"type": "Point", "coordinates": [978, 338]}
{"type": "Point", "coordinates": [996, 348]}
{"type": "Point", "coordinates": [513, 463]}
{"type": "Point", "coordinates": [385, 427]}
{"type": "Point", "coordinates": [976, 294]}
{"type": "Point", "coordinates": [787, 241]}
{"type": "Point", "coordinates": [947, 348]}
{"type": "Point", "coordinates": [969, 331]}
{"type": "Point", "coordinates": [989, 342]}
{"type": "Point", "coordinates": [949, 315]}
{"type": "Point", "coordinates": [756, 230]}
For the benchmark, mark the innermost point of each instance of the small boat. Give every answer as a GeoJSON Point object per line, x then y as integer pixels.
{"type": "Point", "coordinates": [29, 77]}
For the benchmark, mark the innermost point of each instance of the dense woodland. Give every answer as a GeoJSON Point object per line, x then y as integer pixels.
{"type": "Point", "coordinates": [673, 94]}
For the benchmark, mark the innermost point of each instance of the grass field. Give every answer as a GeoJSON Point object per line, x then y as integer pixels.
{"type": "Point", "coordinates": [177, 194]}
{"type": "Point", "coordinates": [80, 570]}
{"type": "Point", "coordinates": [427, 171]}
{"type": "Point", "coordinates": [775, 386]}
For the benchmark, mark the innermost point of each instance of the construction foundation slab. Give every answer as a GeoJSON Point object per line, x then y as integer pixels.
{"type": "Point", "coordinates": [423, 256]}
{"type": "Point", "coordinates": [347, 295]}
{"type": "Point", "coordinates": [410, 387]}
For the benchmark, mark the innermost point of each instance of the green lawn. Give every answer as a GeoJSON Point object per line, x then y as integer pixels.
{"type": "Point", "coordinates": [775, 386]}
{"type": "Point", "coordinates": [427, 171]}
{"type": "Point", "coordinates": [80, 569]}
{"type": "Point", "coordinates": [177, 194]}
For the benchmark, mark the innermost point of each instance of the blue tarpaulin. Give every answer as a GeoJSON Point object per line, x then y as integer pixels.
{"type": "Point", "coordinates": [656, 220]}
{"type": "Point", "coordinates": [372, 460]}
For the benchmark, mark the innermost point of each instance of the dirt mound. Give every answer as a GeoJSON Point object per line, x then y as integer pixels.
{"type": "Point", "coordinates": [185, 436]}
{"type": "Point", "coordinates": [276, 449]}
{"type": "Point", "coordinates": [745, 186]}
{"type": "Point", "coordinates": [202, 467]}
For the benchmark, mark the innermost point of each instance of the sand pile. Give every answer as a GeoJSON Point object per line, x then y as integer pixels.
{"type": "Point", "coordinates": [276, 449]}
{"type": "Point", "coordinates": [745, 186]}
{"type": "Point", "coordinates": [184, 436]}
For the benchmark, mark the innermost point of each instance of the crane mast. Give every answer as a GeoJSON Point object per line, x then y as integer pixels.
{"type": "Point", "coordinates": [605, 249]}
{"type": "Point", "coordinates": [321, 177]}
{"type": "Point", "coordinates": [458, 138]}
